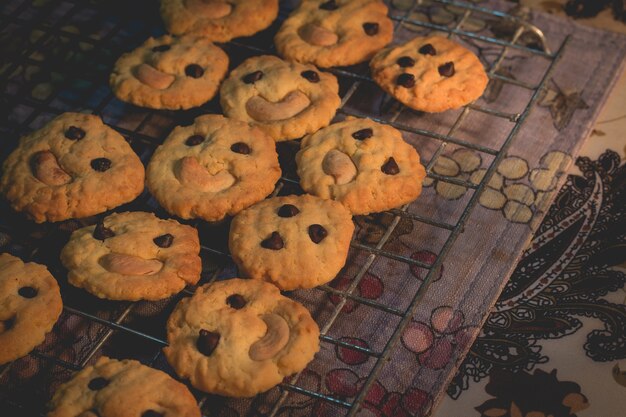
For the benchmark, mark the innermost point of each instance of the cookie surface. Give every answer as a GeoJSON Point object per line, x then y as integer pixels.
{"type": "Point", "coordinates": [431, 74]}
{"type": "Point", "coordinates": [213, 168]}
{"type": "Point", "coordinates": [30, 304]}
{"type": "Point", "coordinates": [286, 100]}
{"type": "Point", "coordinates": [75, 166]}
{"type": "Point", "coordinates": [336, 32]}
{"type": "Point", "coordinates": [364, 165]}
{"type": "Point", "coordinates": [218, 20]}
{"type": "Point", "coordinates": [292, 242]}
{"type": "Point", "coordinates": [239, 337]}
{"type": "Point", "coordinates": [133, 256]}
{"type": "Point", "coordinates": [124, 388]}
{"type": "Point", "coordinates": [170, 73]}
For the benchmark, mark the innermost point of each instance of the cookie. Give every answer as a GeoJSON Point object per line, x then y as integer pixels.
{"type": "Point", "coordinates": [218, 20]}
{"type": "Point", "coordinates": [292, 242]}
{"type": "Point", "coordinates": [431, 74]}
{"type": "Point", "coordinates": [170, 73]}
{"type": "Point", "coordinates": [124, 388]}
{"type": "Point", "coordinates": [30, 304]}
{"type": "Point", "coordinates": [133, 256]}
{"type": "Point", "coordinates": [328, 33]}
{"type": "Point", "coordinates": [213, 168]}
{"type": "Point", "coordinates": [286, 100]}
{"type": "Point", "coordinates": [364, 165]}
{"type": "Point", "coordinates": [239, 337]}
{"type": "Point", "coordinates": [75, 166]}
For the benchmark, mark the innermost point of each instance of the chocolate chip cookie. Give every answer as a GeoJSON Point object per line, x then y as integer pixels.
{"type": "Point", "coordinates": [286, 100]}
{"type": "Point", "coordinates": [239, 337]}
{"type": "Point", "coordinates": [124, 388]}
{"type": "Point", "coordinates": [213, 168]}
{"type": "Point", "coordinates": [133, 256]}
{"type": "Point", "coordinates": [170, 73]}
{"type": "Point", "coordinates": [218, 20]}
{"type": "Point", "coordinates": [328, 33]}
{"type": "Point", "coordinates": [292, 242]}
{"type": "Point", "coordinates": [431, 74]}
{"type": "Point", "coordinates": [75, 166]}
{"type": "Point", "coordinates": [30, 304]}
{"type": "Point", "coordinates": [365, 165]}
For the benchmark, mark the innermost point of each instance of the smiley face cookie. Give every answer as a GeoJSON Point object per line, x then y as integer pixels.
{"type": "Point", "coordinates": [364, 165]}
{"type": "Point", "coordinates": [239, 338]}
{"type": "Point", "coordinates": [213, 168]}
{"type": "Point", "coordinates": [122, 388]}
{"type": "Point", "coordinates": [75, 166]}
{"type": "Point", "coordinates": [286, 100]}
{"type": "Point", "coordinates": [292, 242]}
{"type": "Point", "coordinates": [328, 33]}
{"type": "Point", "coordinates": [218, 20]}
{"type": "Point", "coordinates": [170, 73]}
{"type": "Point", "coordinates": [431, 74]}
{"type": "Point", "coordinates": [30, 304]}
{"type": "Point", "coordinates": [133, 256]}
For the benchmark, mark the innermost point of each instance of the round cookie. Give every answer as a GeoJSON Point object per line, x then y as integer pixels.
{"type": "Point", "coordinates": [170, 73]}
{"type": "Point", "coordinates": [30, 304]}
{"type": "Point", "coordinates": [292, 242]}
{"type": "Point", "coordinates": [336, 32]}
{"type": "Point", "coordinates": [133, 256]}
{"type": "Point", "coordinates": [364, 165]}
{"type": "Point", "coordinates": [239, 337]}
{"type": "Point", "coordinates": [431, 74]}
{"type": "Point", "coordinates": [124, 388]}
{"type": "Point", "coordinates": [213, 168]}
{"type": "Point", "coordinates": [218, 20]}
{"type": "Point", "coordinates": [287, 100]}
{"type": "Point", "coordinates": [75, 166]}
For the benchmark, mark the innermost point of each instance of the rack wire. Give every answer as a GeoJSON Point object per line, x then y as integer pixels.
{"type": "Point", "coordinates": [55, 21]}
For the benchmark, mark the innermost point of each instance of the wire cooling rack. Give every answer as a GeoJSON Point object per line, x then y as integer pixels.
{"type": "Point", "coordinates": [58, 56]}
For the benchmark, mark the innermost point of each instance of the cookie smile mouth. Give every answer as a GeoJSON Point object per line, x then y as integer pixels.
{"type": "Point", "coordinates": [262, 110]}
{"type": "Point", "coordinates": [191, 173]}
{"type": "Point", "coordinates": [46, 169]}
{"type": "Point", "coordinates": [317, 35]}
{"type": "Point", "coordinates": [120, 263]}
{"type": "Point", "coordinates": [212, 9]}
{"type": "Point", "coordinates": [154, 78]}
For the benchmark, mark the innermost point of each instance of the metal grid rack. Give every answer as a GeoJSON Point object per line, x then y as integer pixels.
{"type": "Point", "coordinates": [53, 21]}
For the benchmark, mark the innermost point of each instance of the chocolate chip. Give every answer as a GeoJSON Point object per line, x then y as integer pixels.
{"type": "Point", "coordinates": [236, 301]}
{"type": "Point", "coordinates": [241, 148]}
{"type": "Point", "coordinates": [164, 241]}
{"type": "Point", "coordinates": [288, 210]}
{"type": "Point", "coordinates": [8, 323]}
{"type": "Point", "coordinates": [194, 71]}
{"type": "Point", "coordinates": [27, 292]}
{"type": "Point", "coordinates": [312, 76]}
{"type": "Point", "coordinates": [101, 232]}
{"type": "Point", "coordinates": [274, 242]}
{"type": "Point", "coordinates": [428, 49]}
{"type": "Point", "coordinates": [370, 28]}
{"type": "Point", "coordinates": [363, 134]}
{"type": "Point", "coordinates": [329, 5]}
{"type": "Point", "coordinates": [406, 80]}
{"type": "Point", "coordinates": [161, 48]}
{"type": "Point", "coordinates": [194, 140]}
{"type": "Point", "coordinates": [252, 77]}
{"type": "Point", "coordinates": [98, 383]}
{"type": "Point", "coordinates": [447, 69]}
{"type": "Point", "coordinates": [101, 164]}
{"type": "Point", "coordinates": [74, 133]}
{"type": "Point", "coordinates": [317, 233]}
{"type": "Point", "coordinates": [207, 342]}
{"type": "Point", "coordinates": [405, 61]}
{"type": "Point", "coordinates": [390, 167]}
{"type": "Point", "coordinates": [152, 413]}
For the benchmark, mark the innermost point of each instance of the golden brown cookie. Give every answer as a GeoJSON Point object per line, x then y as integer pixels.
{"type": "Point", "coordinates": [239, 337]}
{"type": "Point", "coordinates": [431, 74]}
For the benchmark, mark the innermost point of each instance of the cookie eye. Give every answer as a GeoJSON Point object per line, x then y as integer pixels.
{"type": "Point", "coordinates": [311, 76]}
{"type": "Point", "coordinates": [236, 301]}
{"type": "Point", "coordinates": [329, 5]}
{"type": "Point", "coordinates": [164, 241]}
{"type": "Point", "coordinates": [194, 140]}
{"type": "Point", "coordinates": [428, 49]}
{"type": "Point", "coordinates": [207, 342]}
{"type": "Point", "coordinates": [370, 28]}
{"type": "Point", "coordinates": [363, 134]}
{"type": "Point", "coordinates": [288, 210]}
{"type": "Point", "coordinates": [28, 292]}
{"type": "Point", "coordinates": [273, 242]}
{"type": "Point", "coordinates": [194, 71]}
{"type": "Point", "coordinates": [100, 164]}
{"type": "Point", "coordinates": [447, 69]}
{"type": "Point", "coordinates": [101, 232]}
{"type": "Point", "coordinates": [406, 80]}
{"type": "Point", "coordinates": [74, 133]}
{"type": "Point", "coordinates": [97, 383]}
{"type": "Point", "coordinates": [241, 148]}
{"type": "Point", "coordinates": [390, 167]}
{"type": "Point", "coordinates": [317, 233]}
{"type": "Point", "coordinates": [161, 48]}
{"type": "Point", "coordinates": [405, 61]}
{"type": "Point", "coordinates": [151, 413]}
{"type": "Point", "coordinates": [252, 77]}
